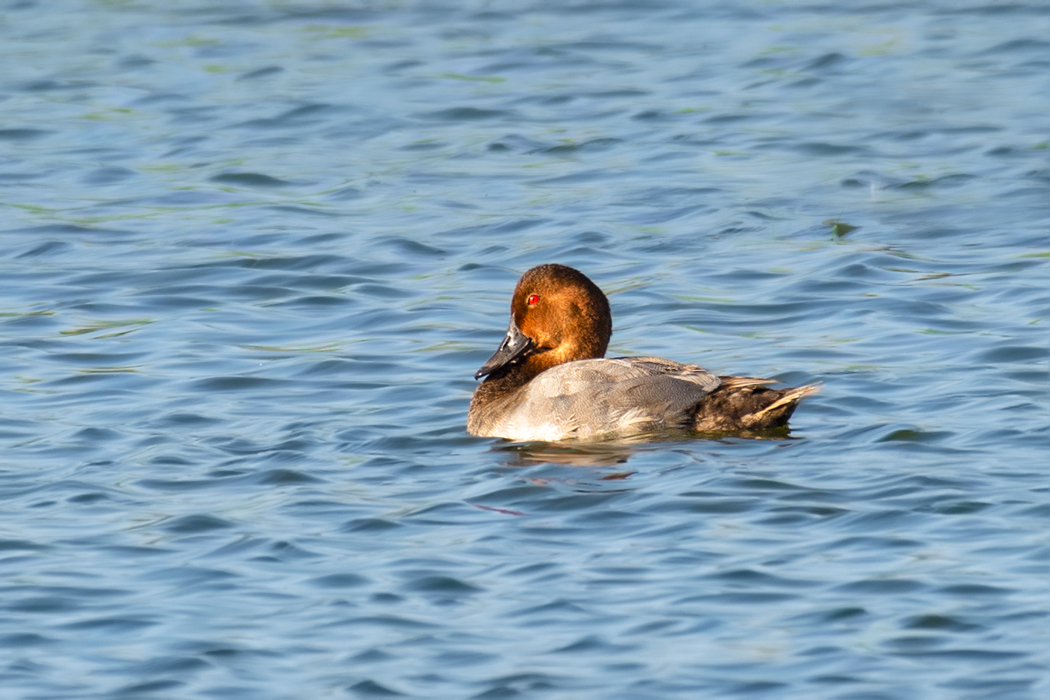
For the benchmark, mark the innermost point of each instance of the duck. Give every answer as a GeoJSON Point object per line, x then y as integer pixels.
{"type": "Point", "coordinates": [550, 381]}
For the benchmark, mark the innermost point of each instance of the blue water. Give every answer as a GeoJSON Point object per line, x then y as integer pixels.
{"type": "Point", "coordinates": [253, 253]}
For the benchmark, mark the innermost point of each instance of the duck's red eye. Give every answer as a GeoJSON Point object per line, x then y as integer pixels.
{"type": "Point", "coordinates": [533, 299]}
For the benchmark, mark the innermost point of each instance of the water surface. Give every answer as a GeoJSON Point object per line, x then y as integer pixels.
{"type": "Point", "coordinates": [254, 252]}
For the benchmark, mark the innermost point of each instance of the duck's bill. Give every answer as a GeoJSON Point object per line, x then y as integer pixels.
{"type": "Point", "coordinates": [514, 346]}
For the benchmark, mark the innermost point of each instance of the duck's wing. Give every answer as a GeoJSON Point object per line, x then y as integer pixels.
{"type": "Point", "coordinates": [616, 396]}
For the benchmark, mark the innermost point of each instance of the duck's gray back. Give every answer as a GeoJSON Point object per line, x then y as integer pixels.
{"type": "Point", "coordinates": [615, 396]}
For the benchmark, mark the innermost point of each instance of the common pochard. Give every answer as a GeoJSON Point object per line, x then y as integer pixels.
{"type": "Point", "coordinates": [548, 381]}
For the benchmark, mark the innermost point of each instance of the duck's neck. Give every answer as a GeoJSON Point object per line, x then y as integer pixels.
{"type": "Point", "coordinates": [507, 379]}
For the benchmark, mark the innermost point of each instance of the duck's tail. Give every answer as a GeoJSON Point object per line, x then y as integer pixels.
{"type": "Point", "coordinates": [746, 404]}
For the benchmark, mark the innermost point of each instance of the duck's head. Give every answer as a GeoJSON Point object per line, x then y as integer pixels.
{"type": "Point", "coordinates": [556, 315]}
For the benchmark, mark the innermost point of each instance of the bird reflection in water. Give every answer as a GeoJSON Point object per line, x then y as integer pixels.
{"type": "Point", "coordinates": [523, 454]}
{"type": "Point", "coordinates": [610, 454]}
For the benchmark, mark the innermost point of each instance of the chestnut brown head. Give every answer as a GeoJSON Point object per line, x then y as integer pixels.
{"type": "Point", "coordinates": [556, 315]}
